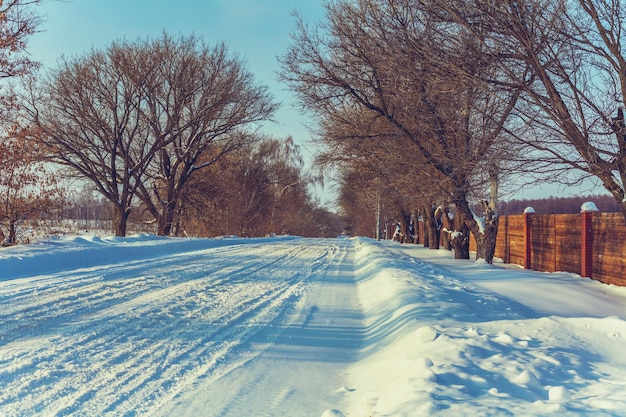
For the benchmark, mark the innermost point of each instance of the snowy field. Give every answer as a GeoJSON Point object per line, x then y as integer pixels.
{"type": "Point", "coordinates": [147, 326]}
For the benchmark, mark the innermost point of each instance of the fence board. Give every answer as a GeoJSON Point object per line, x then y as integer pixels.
{"type": "Point", "coordinates": [608, 261]}
{"type": "Point", "coordinates": [510, 243]}
{"type": "Point", "coordinates": [568, 245]}
{"type": "Point", "coordinates": [542, 243]}
{"type": "Point", "coordinates": [556, 244]}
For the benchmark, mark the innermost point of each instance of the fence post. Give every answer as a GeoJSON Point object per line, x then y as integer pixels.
{"type": "Point", "coordinates": [528, 213]}
{"type": "Point", "coordinates": [586, 258]}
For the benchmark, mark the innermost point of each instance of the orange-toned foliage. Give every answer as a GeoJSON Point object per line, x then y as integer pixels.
{"type": "Point", "coordinates": [17, 22]}
{"type": "Point", "coordinates": [28, 189]}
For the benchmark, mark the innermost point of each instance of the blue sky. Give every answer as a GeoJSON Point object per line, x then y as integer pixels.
{"type": "Point", "coordinates": [256, 30]}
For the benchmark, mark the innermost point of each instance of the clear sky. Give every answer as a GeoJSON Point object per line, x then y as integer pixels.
{"type": "Point", "coordinates": [256, 30]}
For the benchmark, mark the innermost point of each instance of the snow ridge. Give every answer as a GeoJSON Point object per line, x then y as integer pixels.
{"type": "Point", "coordinates": [441, 345]}
{"type": "Point", "coordinates": [289, 326]}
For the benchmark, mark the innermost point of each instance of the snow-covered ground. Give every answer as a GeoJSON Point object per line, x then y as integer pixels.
{"type": "Point", "coordinates": [299, 327]}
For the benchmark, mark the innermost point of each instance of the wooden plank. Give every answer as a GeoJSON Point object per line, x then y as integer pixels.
{"type": "Point", "coordinates": [556, 244]}
{"type": "Point", "coordinates": [608, 261]}
{"type": "Point", "coordinates": [510, 240]}
{"type": "Point", "coordinates": [542, 243]}
{"type": "Point", "coordinates": [568, 245]}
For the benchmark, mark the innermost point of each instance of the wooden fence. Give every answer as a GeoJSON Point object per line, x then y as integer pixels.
{"type": "Point", "coordinates": [591, 244]}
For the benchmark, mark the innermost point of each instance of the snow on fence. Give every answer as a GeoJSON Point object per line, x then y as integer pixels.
{"type": "Point", "coordinates": [590, 243]}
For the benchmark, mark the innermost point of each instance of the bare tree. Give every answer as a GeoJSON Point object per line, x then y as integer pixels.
{"type": "Point", "coordinates": [28, 190]}
{"type": "Point", "coordinates": [201, 99]}
{"type": "Point", "coordinates": [391, 59]}
{"type": "Point", "coordinates": [392, 173]}
{"type": "Point", "coordinates": [134, 118]}
{"type": "Point", "coordinates": [567, 58]}
{"type": "Point", "coordinates": [255, 190]}
{"type": "Point", "coordinates": [373, 167]}
{"type": "Point", "coordinates": [89, 112]}
{"type": "Point", "coordinates": [17, 22]}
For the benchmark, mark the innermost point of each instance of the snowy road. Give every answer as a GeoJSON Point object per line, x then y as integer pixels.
{"type": "Point", "coordinates": [131, 336]}
{"type": "Point", "coordinates": [296, 362]}
{"type": "Point", "coordinates": [292, 327]}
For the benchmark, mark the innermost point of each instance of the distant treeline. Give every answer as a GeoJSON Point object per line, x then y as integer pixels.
{"type": "Point", "coordinates": [559, 205]}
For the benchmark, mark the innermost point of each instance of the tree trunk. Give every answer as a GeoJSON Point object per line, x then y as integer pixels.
{"type": "Point", "coordinates": [377, 214]}
{"type": "Point", "coordinates": [448, 227]}
{"type": "Point", "coordinates": [414, 228]}
{"type": "Point", "coordinates": [486, 239]}
{"type": "Point", "coordinates": [459, 239]}
{"type": "Point", "coordinates": [166, 220]}
{"type": "Point", "coordinates": [12, 233]}
{"type": "Point", "coordinates": [485, 235]}
{"type": "Point", "coordinates": [431, 228]}
{"type": "Point", "coordinates": [406, 223]}
{"type": "Point", "coordinates": [121, 220]}
{"type": "Point", "coordinates": [435, 234]}
{"type": "Point", "coordinates": [12, 238]}
{"type": "Point", "coordinates": [486, 244]}
{"type": "Point", "coordinates": [466, 221]}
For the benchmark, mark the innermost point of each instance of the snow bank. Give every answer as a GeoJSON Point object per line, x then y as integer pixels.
{"type": "Point", "coordinates": [56, 254]}
{"type": "Point", "coordinates": [291, 326]}
{"type": "Point", "coordinates": [589, 206]}
{"type": "Point", "coordinates": [440, 345]}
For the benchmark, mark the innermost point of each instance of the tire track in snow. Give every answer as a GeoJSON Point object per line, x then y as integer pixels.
{"type": "Point", "coordinates": [339, 259]}
{"type": "Point", "coordinates": [183, 313]}
{"type": "Point", "coordinates": [293, 364]}
{"type": "Point", "coordinates": [29, 306]}
{"type": "Point", "coordinates": [106, 331]}
{"type": "Point", "coordinates": [279, 318]}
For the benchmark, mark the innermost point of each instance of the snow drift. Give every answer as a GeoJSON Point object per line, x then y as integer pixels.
{"type": "Point", "coordinates": [289, 326]}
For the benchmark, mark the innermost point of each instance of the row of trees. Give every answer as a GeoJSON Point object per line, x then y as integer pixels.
{"type": "Point", "coordinates": [560, 205]}
{"type": "Point", "coordinates": [165, 129]}
{"type": "Point", "coordinates": [426, 106]}
{"type": "Point", "coordinates": [255, 190]}
{"type": "Point", "coordinates": [21, 174]}
{"type": "Point", "coordinates": [139, 120]}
